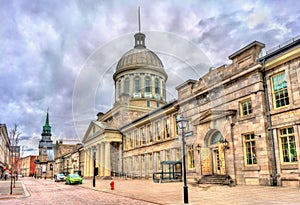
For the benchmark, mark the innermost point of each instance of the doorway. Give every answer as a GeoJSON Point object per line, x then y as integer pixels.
{"type": "Point", "coordinates": [216, 161]}
{"type": "Point", "coordinates": [212, 156]}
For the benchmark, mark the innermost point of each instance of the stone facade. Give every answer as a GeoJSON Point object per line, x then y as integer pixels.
{"type": "Point", "coordinates": [27, 165]}
{"type": "Point", "coordinates": [139, 89]}
{"type": "Point", "coordinates": [4, 149]}
{"type": "Point", "coordinates": [252, 103]}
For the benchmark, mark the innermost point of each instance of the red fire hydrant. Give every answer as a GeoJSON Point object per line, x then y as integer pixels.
{"type": "Point", "coordinates": [112, 185]}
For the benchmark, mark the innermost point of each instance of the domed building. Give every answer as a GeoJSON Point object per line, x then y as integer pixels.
{"type": "Point", "coordinates": [140, 76]}
{"type": "Point", "coordinates": [140, 88]}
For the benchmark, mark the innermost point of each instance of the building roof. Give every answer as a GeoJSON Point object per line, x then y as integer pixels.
{"type": "Point", "coordinates": [281, 49]}
{"type": "Point", "coordinates": [254, 43]}
{"type": "Point", "coordinates": [139, 57]}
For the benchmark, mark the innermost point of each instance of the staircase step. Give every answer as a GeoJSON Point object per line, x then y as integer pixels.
{"type": "Point", "coordinates": [214, 179]}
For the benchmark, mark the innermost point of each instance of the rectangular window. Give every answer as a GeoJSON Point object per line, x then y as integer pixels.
{"type": "Point", "coordinates": [150, 162]}
{"type": "Point", "coordinates": [143, 164]}
{"type": "Point", "coordinates": [167, 155]}
{"type": "Point", "coordinates": [136, 163]}
{"type": "Point", "coordinates": [280, 92]}
{"type": "Point", "coordinates": [137, 140]}
{"type": "Point", "coordinates": [157, 130]}
{"type": "Point", "coordinates": [167, 127]}
{"type": "Point", "coordinates": [178, 154]}
{"type": "Point", "coordinates": [288, 145]}
{"type": "Point", "coordinates": [246, 107]}
{"type": "Point", "coordinates": [158, 167]}
{"type": "Point", "coordinates": [148, 103]}
{"type": "Point", "coordinates": [129, 169]}
{"type": "Point", "coordinates": [149, 132]}
{"type": "Point", "coordinates": [148, 85]}
{"type": "Point", "coordinates": [131, 140]}
{"type": "Point", "coordinates": [143, 136]}
{"type": "Point", "coordinates": [175, 124]}
{"type": "Point", "coordinates": [190, 157]}
{"type": "Point", "coordinates": [250, 149]}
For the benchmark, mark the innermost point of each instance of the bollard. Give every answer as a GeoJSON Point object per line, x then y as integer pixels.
{"type": "Point", "coordinates": [112, 185]}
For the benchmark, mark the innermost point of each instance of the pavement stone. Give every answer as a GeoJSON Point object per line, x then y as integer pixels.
{"type": "Point", "coordinates": [148, 192]}
{"type": "Point", "coordinates": [18, 190]}
{"type": "Point", "coordinates": [172, 193]}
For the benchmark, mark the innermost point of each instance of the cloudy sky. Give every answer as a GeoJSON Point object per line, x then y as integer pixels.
{"type": "Point", "coordinates": [61, 54]}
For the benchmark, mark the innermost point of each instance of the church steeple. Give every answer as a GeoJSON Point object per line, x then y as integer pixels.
{"type": "Point", "coordinates": [46, 127]}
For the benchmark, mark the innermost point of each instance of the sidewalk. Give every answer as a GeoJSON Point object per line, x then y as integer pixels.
{"type": "Point", "coordinates": [18, 191]}
{"type": "Point", "coordinates": [172, 193]}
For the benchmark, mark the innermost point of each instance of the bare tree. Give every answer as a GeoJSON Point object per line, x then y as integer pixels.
{"type": "Point", "coordinates": [14, 141]}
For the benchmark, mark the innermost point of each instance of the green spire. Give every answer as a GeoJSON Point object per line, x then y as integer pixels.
{"type": "Point", "coordinates": [47, 127]}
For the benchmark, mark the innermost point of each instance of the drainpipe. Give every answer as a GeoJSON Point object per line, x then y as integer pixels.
{"type": "Point", "coordinates": [270, 128]}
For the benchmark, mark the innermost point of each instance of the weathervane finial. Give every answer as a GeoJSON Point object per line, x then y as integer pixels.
{"type": "Point", "coordinates": [139, 18]}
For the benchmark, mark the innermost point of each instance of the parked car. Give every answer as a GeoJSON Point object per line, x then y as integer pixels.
{"type": "Point", "coordinates": [59, 177]}
{"type": "Point", "coordinates": [73, 179]}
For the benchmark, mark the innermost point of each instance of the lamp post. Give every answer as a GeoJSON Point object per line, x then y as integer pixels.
{"type": "Point", "coordinates": [181, 123]}
{"type": "Point", "coordinates": [94, 159]}
{"type": "Point", "coordinates": [225, 144]}
{"type": "Point", "coordinates": [67, 166]}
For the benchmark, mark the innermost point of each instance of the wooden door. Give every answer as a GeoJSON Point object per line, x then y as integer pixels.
{"type": "Point", "coordinates": [216, 161]}
{"type": "Point", "coordinates": [206, 165]}
{"type": "Point", "coordinates": [222, 159]}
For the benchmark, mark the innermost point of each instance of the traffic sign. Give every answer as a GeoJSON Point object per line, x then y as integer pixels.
{"type": "Point", "coordinates": [188, 134]}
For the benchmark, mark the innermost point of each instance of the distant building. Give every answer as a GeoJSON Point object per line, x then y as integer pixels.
{"type": "Point", "coordinates": [4, 149]}
{"type": "Point", "coordinates": [46, 158]}
{"type": "Point", "coordinates": [69, 158]}
{"type": "Point", "coordinates": [27, 165]}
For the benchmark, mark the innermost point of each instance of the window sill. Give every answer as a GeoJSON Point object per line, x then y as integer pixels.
{"type": "Point", "coordinates": [251, 168]}
{"type": "Point", "coordinates": [246, 117]}
{"type": "Point", "coordinates": [289, 166]}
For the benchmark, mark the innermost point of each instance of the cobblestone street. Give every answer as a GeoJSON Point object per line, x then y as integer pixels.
{"type": "Point", "coordinates": [146, 192]}
{"type": "Point", "coordinates": [44, 192]}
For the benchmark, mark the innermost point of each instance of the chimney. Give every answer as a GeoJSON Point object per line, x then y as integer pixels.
{"type": "Point", "coordinates": [99, 115]}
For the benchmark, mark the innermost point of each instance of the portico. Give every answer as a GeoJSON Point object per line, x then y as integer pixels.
{"type": "Point", "coordinates": [101, 139]}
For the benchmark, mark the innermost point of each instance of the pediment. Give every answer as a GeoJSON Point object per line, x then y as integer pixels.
{"type": "Point", "coordinates": [95, 128]}
{"type": "Point", "coordinates": [214, 114]}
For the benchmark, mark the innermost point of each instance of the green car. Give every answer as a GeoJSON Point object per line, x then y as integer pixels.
{"type": "Point", "coordinates": [73, 179]}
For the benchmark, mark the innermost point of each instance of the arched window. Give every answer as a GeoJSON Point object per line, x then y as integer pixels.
{"type": "Point", "coordinates": [127, 85]}
{"type": "Point", "coordinates": [156, 86]}
{"type": "Point", "coordinates": [147, 85]}
{"type": "Point", "coordinates": [137, 84]}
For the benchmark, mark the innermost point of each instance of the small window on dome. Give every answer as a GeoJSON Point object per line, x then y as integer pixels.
{"type": "Point", "coordinates": [127, 85]}
{"type": "Point", "coordinates": [137, 84]}
{"type": "Point", "coordinates": [156, 86]}
{"type": "Point", "coordinates": [148, 85]}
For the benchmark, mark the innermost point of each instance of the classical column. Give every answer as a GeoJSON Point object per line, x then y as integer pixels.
{"type": "Point", "coordinates": [98, 158]}
{"type": "Point", "coordinates": [91, 161]}
{"type": "Point", "coordinates": [153, 85]}
{"type": "Point", "coordinates": [107, 170]}
{"type": "Point", "coordinates": [88, 162]}
{"type": "Point", "coordinates": [102, 160]}
{"type": "Point", "coordinates": [85, 163]}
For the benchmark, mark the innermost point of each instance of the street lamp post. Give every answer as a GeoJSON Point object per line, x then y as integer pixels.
{"type": "Point", "coordinates": [225, 144]}
{"type": "Point", "coordinates": [67, 166]}
{"type": "Point", "coordinates": [181, 123]}
{"type": "Point", "coordinates": [94, 159]}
